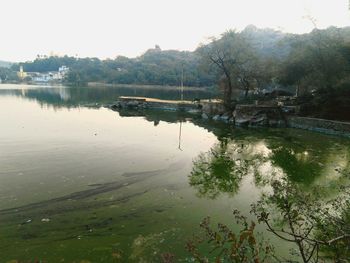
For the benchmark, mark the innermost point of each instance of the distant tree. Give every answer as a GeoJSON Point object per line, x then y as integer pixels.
{"type": "Point", "coordinates": [317, 60]}
{"type": "Point", "coordinates": [8, 75]}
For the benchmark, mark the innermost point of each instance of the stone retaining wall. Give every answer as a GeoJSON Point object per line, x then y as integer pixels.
{"type": "Point", "coordinates": [212, 108]}
{"type": "Point", "coordinates": [320, 125]}
{"type": "Point", "coordinates": [259, 115]}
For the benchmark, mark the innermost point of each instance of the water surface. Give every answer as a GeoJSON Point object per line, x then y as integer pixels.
{"type": "Point", "coordinates": [79, 181]}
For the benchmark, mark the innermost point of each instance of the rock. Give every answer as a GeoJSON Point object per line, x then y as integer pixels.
{"type": "Point", "coordinates": [116, 106]}
{"type": "Point", "coordinates": [194, 111]}
{"type": "Point", "coordinates": [259, 115]}
{"type": "Point", "coordinates": [259, 120]}
{"type": "Point", "coordinates": [241, 122]}
{"type": "Point", "coordinates": [213, 107]}
{"type": "Point", "coordinates": [225, 117]}
{"type": "Point", "coordinates": [132, 104]}
{"type": "Point", "coordinates": [216, 118]}
{"type": "Point", "coordinates": [205, 116]}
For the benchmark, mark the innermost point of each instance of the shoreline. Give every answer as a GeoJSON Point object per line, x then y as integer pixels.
{"type": "Point", "coordinates": [242, 116]}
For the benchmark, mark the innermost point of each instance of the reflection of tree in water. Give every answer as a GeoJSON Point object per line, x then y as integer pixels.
{"type": "Point", "coordinates": [70, 97]}
{"type": "Point", "coordinates": [222, 169]}
{"type": "Point", "coordinates": [312, 215]}
{"type": "Point", "coordinates": [297, 164]}
{"type": "Point", "coordinates": [302, 161]}
{"type": "Point", "coordinates": [305, 160]}
{"type": "Point", "coordinates": [216, 171]}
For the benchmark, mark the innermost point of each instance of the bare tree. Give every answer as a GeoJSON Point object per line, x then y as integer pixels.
{"type": "Point", "coordinates": [234, 58]}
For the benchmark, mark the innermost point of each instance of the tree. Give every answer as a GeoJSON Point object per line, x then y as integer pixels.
{"type": "Point", "coordinates": [234, 58]}
{"type": "Point", "coordinates": [319, 229]}
{"type": "Point", "coordinates": [316, 61]}
{"type": "Point", "coordinates": [315, 226]}
{"type": "Point", "coordinates": [7, 74]}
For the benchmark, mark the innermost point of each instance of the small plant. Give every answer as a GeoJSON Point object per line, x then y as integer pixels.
{"type": "Point", "coordinates": [227, 246]}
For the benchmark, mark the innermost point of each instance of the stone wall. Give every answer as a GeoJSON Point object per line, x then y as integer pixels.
{"type": "Point", "coordinates": [320, 125]}
{"type": "Point", "coordinates": [259, 115]}
{"type": "Point", "coordinates": [212, 108]}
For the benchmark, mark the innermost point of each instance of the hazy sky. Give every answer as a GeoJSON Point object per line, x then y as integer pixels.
{"type": "Point", "coordinates": [107, 28]}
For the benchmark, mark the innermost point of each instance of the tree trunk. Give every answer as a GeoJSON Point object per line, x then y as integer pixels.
{"type": "Point", "coordinates": [246, 93]}
{"type": "Point", "coordinates": [228, 92]}
{"type": "Point", "coordinates": [297, 92]}
{"type": "Point", "coordinates": [246, 87]}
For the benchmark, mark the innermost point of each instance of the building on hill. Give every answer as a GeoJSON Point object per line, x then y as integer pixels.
{"type": "Point", "coordinates": [43, 77]}
{"type": "Point", "coordinates": [21, 73]}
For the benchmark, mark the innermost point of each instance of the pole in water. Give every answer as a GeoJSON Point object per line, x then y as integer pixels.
{"type": "Point", "coordinates": [180, 133]}
{"type": "Point", "coordinates": [182, 82]}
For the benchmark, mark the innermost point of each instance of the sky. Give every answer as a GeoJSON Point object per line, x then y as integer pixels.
{"type": "Point", "coordinates": [108, 28]}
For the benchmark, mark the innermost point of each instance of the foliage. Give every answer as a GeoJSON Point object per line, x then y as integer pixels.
{"type": "Point", "coordinates": [316, 65]}
{"type": "Point", "coordinates": [227, 246]}
{"type": "Point", "coordinates": [329, 103]}
{"type": "Point", "coordinates": [7, 74]}
{"type": "Point", "coordinates": [315, 219]}
{"type": "Point", "coordinates": [319, 229]}
{"type": "Point", "coordinates": [154, 67]}
{"type": "Point", "coordinates": [317, 60]}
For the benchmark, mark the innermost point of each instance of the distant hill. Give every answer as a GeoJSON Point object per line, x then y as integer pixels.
{"type": "Point", "coordinates": [270, 42]}
{"type": "Point", "coordinates": [5, 64]}
{"type": "Point", "coordinates": [267, 41]}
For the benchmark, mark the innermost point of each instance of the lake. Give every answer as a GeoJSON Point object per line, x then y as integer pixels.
{"type": "Point", "coordinates": [82, 183]}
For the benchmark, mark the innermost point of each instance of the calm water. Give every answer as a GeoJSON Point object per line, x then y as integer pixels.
{"type": "Point", "coordinates": [82, 182]}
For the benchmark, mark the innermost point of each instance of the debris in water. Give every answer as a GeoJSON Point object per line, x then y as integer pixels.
{"type": "Point", "coordinates": [27, 221]}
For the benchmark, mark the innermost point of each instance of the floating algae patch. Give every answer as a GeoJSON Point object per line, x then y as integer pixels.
{"type": "Point", "coordinates": [149, 248]}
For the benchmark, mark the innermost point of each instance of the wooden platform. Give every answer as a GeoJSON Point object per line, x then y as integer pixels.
{"type": "Point", "coordinates": [154, 100]}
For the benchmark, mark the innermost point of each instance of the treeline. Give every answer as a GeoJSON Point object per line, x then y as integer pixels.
{"type": "Point", "coordinates": [154, 67]}
{"type": "Point", "coordinates": [8, 75]}
{"type": "Point", "coordinates": [318, 66]}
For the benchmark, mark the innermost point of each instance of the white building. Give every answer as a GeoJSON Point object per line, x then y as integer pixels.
{"type": "Point", "coordinates": [50, 76]}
